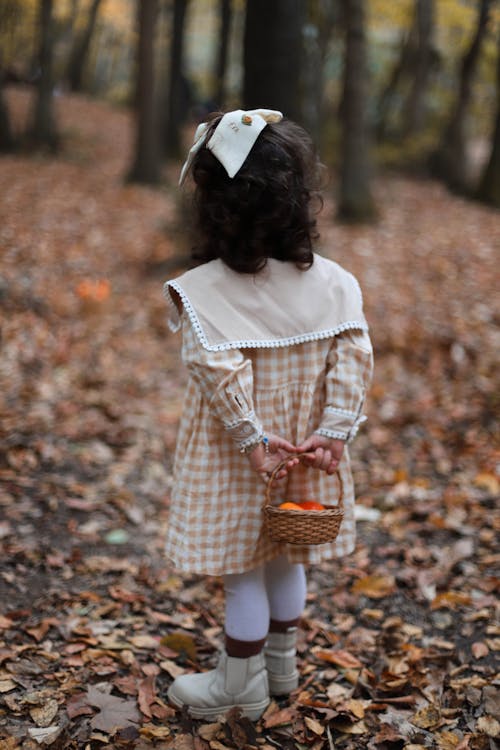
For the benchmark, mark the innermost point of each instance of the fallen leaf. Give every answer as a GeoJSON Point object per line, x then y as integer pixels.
{"type": "Point", "coordinates": [209, 731]}
{"type": "Point", "coordinates": [339, 657]}
{"type": "Point", "coordinates": [7, 685]}
{"type": "Point", "coordinates": [427, 717]}
{"type": "Point", "coordinates": [447, 740]}
{"type": "Point", "coordinates": [374, 587]}
{"type": "Point", "coordinates": [154, 732]}
{"type": "Point", "coordinates": [487, 481]}
{"type": "Point", "coordinates": [44, 714]}
{"type": "Point", "coordinates": [488, 725]}
{"type": "Point", "coordinates": [46, 735]}
{"type": "Point", "coordinates": [144, 641]}
{"type": "Point", "coordinates": [173, 669]}
{"type": "Point", "coordinates": [180, 643]}
{"type": "Point", "coordinates": [314, 726]}
{"type": "Point", "coordinates": [115, 713]}
{"type": "Point", "coordinates": [146, 695]}
{"type": "Point", "coordinates": [451, 600]}
{"type": "Point", "coordinates": [479, 649]}
{"type": "Point", "coordinates": [280, 718]}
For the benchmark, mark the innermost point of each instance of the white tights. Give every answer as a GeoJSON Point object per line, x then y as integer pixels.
{"type": "Point", "coordinates": [274, 590]}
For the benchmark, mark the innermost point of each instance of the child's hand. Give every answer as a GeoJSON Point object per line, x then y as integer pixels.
{"type": "Point", "coordinates": [264, 463]}
{"type": "Point", "coordinates": [322, 452]}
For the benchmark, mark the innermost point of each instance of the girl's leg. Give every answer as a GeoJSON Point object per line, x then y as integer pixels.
{"type": "Point", "coordinates": [247, 613]}
{"type": "Point", "coordinates": [240, 678]}
{"type": "Point", "coordinates": [286, 591]}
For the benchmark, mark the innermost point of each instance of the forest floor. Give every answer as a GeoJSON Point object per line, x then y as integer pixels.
{"type": "Point", "coordinates": [399, 640]}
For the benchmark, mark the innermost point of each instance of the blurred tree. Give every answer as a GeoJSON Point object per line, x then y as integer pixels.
{"type": "Point", "coordinates": [42, 132]}
{"type": "Point", "coordinates": [272, 52]}
{"type": "Point", "coordinates": [146, 163]}
{"type": "Point", "coordinates": [489, 185]}
{"type": "Point", "coordinates": [423, 56]}
{"type": "Point", "coordinates": [411, 70]}
{"type": "Point", "coordinates": [79, 52]}
{"type": "Point", "coordinates": [356, 202]}
{"type": "Point", "coordinates": [7, 141]}
{"type": "Point", "coordinates": [449, 161]}
{"type": "Point", "coordinates": [225, 12]}
{"type": "Point", "coordinates": [321, 21]}
{"type": "Point", "coordinates": [176, 104]}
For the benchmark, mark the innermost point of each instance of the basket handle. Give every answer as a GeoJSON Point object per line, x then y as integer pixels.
{"type": "Point", "coordinates": [277, 469]}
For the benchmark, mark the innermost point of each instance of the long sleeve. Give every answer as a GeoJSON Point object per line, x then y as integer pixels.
{"type": "Point", "coordinates": [349, 372]}
{"type": "Point", "coordinates": [226, 380]}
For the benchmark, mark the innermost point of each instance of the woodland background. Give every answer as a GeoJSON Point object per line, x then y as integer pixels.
{"type": "Point", "coordinates": [98, 103]}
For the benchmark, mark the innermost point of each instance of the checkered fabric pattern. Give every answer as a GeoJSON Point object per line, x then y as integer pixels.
{"type": "Point", "coordinates": [215, 523]}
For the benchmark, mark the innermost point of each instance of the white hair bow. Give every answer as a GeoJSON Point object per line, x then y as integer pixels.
{"type": "Point", "coordinates": [232, 139]}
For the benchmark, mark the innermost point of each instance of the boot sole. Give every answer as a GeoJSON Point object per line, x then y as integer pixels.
{"type": "Point", "coordinates": [252, 711]}
{"type": "Point", "coordinates": [282, 685]}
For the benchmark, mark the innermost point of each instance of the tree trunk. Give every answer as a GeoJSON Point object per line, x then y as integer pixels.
{"type": "Point", "coordinates": [222, 53]}
{"type": "Point", "coordinates": [146, 165]}
{"type": "Point", "coordinates": [387, 99]}
{"type": "Point", "coordinates": [449, 162]}
{"type": "Point", "coordinates": [43, 132]}
{"type": "Point", "coordinates": [415, 105]}
{"type": "Point", "coordinates": [176, 105]}
{"type": "Point", "coordinates": [355, 201]}
{"type": "Point", "coordinates": [272, 55]}
{"type": "Point", "coordinates": [7, 140]}
{"type": "Point", "coordinates": [78, 56]}
{"type": "Point", "coordinates": [489, 185]}
{"type": "Point", "coordinates": [318, 33]}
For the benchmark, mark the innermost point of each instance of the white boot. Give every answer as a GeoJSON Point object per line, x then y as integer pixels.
{"type": "Point", "coordinates": [281, 662]}
{"type": "Point", "coordinates": [234, 682]}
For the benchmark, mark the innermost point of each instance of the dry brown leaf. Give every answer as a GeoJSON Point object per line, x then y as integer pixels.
{"type": "Point", "coordinates": [216, 745]}
{"type": "Point", "coordinates": [451, 600]}
{"type": "Point", "coordinates": [337, 693]}
{"type": "Point", "coordinates": [7, 685]}
{"type": "Point", "coordinates": [315, 726]}
{"type": "Point", "coordinates": [375, 586]}
{"type": "Point", "coordinates": [146, 695]}
{"type": "Point", "coordinates": [144, 641]}
{"type": "Point", "coordinates": [209, 731]}
{"type": "Point", "coordinates": [154, 732]}
{"type": "Point", "coordinates": [183, 742]}
{"type": "Point", "coordinates": [358, 727]}
{"type": "Point", "coordinates": [447, 740]}
{"type": "Point", "coordinates": [427, 717]}
{"type": "Point", "coordinates": [479, 649]}
{"type": "Point", "coordinates": [180, 643]}
{"type": "Point", "coordinates": [280, 718]}
{"type": "Point", "coordinates": [487, 481]}
{"type": "Point", "coordinates": [489, 726]}
{"type": "Point", "coordinates": [45, 735]}
{"type": "Point", "coordinates": [173, 669]}
{"type": "Point", "coordinates": [339, 657]}
{"type": "Point", "coordinates": [115, 713]}
{"type": "Point", "coordinates": [44, 714]}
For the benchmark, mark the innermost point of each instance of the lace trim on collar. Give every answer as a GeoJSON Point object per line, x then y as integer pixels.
{"type": "Point", "coordinates": [174, 323]}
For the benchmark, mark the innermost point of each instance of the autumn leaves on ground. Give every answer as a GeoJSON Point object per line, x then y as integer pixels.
{"type": "Point", "coordinates": [398, 643]}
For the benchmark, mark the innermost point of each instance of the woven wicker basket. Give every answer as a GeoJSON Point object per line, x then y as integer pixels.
{"type": "Point", "coordinates": [305, 526]}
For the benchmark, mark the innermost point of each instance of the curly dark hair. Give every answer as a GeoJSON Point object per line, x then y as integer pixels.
{"type": "Point", "coordinates": [265, 211]}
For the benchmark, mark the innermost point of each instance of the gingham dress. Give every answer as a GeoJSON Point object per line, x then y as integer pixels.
{"type": "Point", "coordinates": [215, 523]}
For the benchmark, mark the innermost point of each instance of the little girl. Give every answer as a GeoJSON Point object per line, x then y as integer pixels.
{"type": "Point", "coordinates": [279, 360]}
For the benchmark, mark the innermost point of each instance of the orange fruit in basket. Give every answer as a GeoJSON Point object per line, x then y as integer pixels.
{"type": "Point", "coordinates": [289, 506]}
{"type": "Point", "coordinates": [311, 505]}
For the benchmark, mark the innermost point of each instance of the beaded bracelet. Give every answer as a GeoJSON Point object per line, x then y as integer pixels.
{"type": "Point", "coordinates": [251, 446]}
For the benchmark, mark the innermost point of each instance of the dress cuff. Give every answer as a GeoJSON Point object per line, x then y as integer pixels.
{"type": "Point", "coordinates": [245, 431]}
{"type": "Point", "coordinates": [340, 424]}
